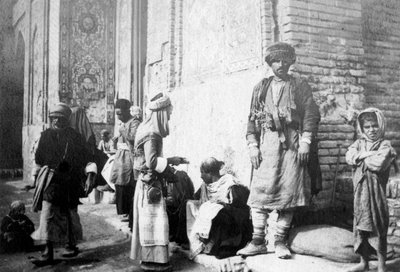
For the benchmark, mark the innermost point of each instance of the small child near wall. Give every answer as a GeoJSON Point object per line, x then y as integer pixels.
{"type": "Point", "coordinates": [371, 157]}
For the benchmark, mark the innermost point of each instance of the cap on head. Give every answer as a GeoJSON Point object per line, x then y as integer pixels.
{"type": "Point", "coordinates": [61, 110]}
{"type": "Point", "coordinates": [158, 102]}
{"type": "Point", "coordinates": [123, 104]}
{"type": "Point", "coordinates": [280, 51]}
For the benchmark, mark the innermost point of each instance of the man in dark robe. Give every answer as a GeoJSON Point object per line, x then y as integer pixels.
{"type": "Point", "coordinates": [64, 173]}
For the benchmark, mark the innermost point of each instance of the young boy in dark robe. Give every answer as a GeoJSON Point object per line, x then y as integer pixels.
{"type": "Point", "coordinates": [371, 157]}
{"type": "Point", "coordinates": [16, 229]}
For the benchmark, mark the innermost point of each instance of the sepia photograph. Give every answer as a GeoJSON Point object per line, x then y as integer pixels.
{"type": "Point", "coordinates": [200, 135]}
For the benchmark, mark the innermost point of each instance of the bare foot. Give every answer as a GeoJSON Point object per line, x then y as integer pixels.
{"type": "Point", "coordinates": [359, 267]}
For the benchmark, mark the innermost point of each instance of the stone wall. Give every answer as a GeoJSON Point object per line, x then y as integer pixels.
{"type": "Point", "coordinates": [11, 93]}
{"type": "Point", "coordinates": [209, 55]}
{"type": "Point", "coordinates": [327, 36]}
{"type": "Point", "coordinates": [393, 194]}
{"type": "Point", "coordinates": [30, 21]}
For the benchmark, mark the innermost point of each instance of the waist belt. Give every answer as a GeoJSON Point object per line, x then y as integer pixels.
{"type": "Point", "coordinates": [123, 146]}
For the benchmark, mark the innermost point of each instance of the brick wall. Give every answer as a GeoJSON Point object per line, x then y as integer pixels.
{"type": "Point", "coordinates": [327, 36]}
{"type": "Point", "coordinates": [381, 42]}
{"type": "Point", "coordinates": [209, 57]}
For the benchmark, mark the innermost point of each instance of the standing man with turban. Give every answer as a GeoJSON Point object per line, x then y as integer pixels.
{"type": "Point", "coordinates": [64, 173]}
{"type": "Point", "coordinates": [150, 233]}
{"type": "Point", "coordinates": [282, 126]}
{"type": "Point", "coordinates": [122, 174]}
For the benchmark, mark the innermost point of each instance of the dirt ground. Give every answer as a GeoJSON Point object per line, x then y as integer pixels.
{"type": "Point", "coordinates": [104, 248]}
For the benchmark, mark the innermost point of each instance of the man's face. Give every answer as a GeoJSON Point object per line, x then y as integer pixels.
{"type": "Point", "coordinates": [206, 177]}
{"type": "Point", "coordinates": [280, 67]}
{"type": "Point", "coordinates": [371, 129]}
{"type": "Point", "coordinates": [123, 114]}
{"type": "Point", "coordinates": [105, 137]}
{"type": "Point", "coordinates": [57, 122]}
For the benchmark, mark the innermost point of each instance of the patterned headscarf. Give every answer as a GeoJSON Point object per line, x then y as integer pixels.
{"type": "Point", "coordinates": [381, 123]}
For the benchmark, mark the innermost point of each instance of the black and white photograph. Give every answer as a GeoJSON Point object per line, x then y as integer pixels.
{"type": "Point", "coordinates": [200, 135]}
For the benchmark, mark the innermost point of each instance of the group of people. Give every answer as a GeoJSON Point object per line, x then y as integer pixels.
{"type": "Point", "coordinates": [281, 136]}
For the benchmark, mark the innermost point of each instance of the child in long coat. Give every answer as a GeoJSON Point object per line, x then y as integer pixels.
{"type": "Point", "coordinates": [371, 157]}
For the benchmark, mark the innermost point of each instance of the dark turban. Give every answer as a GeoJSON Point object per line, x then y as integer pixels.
{"type": "Point", "coordinates": [123, 104]}
{"type": "Point", "coordinates": [280, 51]}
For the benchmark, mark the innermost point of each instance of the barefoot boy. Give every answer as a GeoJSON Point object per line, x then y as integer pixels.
{"type": "Point", "coordinates": [371, 157]}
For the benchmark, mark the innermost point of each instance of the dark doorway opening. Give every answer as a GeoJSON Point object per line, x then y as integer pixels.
{"type": "Point", "coordinates": [13, 112]}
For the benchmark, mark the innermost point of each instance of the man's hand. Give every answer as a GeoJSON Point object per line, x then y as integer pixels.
{"type": "Point", "coordinates": [303, 153]}
{"type": "Point", "coordinates": [89, 184]}
{"type": "Point", "coordinates": [177, 160]}
{"type": "Point", "coordinates": [255, 156]}
{"type": "Point", "coordinates": [233, 264]}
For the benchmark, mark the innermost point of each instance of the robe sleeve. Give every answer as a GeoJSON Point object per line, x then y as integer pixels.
{"type": "Point", "coordinates": [382, 158]}
{"type": "Point", "coordinates": [311, 115]}
{"type": "Point", "coordinates": [153, 160]}
{"type": "Point", "coordinates": [39, 151]}
{"type": "Point", "coordinates": [353, 153]}
{"type": "Point", "coordinates": [253, 135]}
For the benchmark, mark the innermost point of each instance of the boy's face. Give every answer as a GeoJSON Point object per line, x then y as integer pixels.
{"type": "Point", "coordinates": [371, 129]}
{"type": "Point", "coordinates": [123, 114]}
{"type": "Point", "coordinates": [105, 137]}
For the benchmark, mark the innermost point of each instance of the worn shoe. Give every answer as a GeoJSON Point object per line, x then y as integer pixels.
{"type": "Point", "coordinates": [251, 249]}
{"type": "Point", "coordinates": [282, 251]}
{"type": "Point", "coordinates": [70, 252]}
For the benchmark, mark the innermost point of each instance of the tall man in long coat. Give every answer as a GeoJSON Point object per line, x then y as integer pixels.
{"type": "Point", "coordinates": [64, 173]}
{"type": "Point", "coordinates": [282, 126]}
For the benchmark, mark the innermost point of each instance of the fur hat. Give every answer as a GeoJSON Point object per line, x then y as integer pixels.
{"type": "Point", "coordinates": [280, 51]}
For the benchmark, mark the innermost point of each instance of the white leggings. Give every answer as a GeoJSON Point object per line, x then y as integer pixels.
{"type": "Point", "coordinates": [260, 216]}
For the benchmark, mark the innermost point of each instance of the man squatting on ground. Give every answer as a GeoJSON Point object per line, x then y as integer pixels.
{"type": "Point", "coordinates": [282, 125]}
